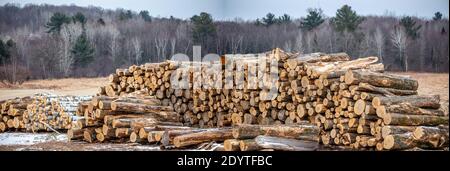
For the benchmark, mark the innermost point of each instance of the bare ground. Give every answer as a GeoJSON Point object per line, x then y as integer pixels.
{"type": "Point", "coordinates": [429, 83]}
{"type": "Point", "coordinates": [68, 86]}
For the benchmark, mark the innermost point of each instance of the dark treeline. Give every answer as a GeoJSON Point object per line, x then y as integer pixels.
{"type": "Point", "coordinates": [46, 41]}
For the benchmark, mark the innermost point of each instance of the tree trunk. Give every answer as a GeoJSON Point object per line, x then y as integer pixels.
{"type": "Point", "coordinates": [414, 120]}
{"type": "Point", "coordinates": [200, 137]}
{"type": "Point", "coordinates": [285, 144]}
{"type": "Point", "coordinates": [302, 132]}
{"type": "Point", "coordinates": [380, 80]}
{"type": "Point", "coordinates": [422, 101]}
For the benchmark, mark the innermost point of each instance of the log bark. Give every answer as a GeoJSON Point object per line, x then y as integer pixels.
{"type": "Point", "coordinates": [414, 120]}
{"type": "Point", "coordinates": [285, 144]}
{"type": "Point", "coordinates": [138, 108]}
{"type": "Point", "coordinates": [433, 137]}
{"type": "Point", "coordinates": [407, 108]}
{"type": "Point", "coordinates": [302, 132]}
{"type": "Point", "coordinates": [421, 101]}
{"type": "Point", "coordinates": [380, 80]}
{"type": "Point", "coordinates": [169, 135]}
{"type": "Point", "coordinates": [197, 138]}
{"type": "Point", "coordinates": [388, 130]}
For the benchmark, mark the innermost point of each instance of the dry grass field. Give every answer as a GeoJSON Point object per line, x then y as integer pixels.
{"type": "Point", "coordinates": [67, 86]}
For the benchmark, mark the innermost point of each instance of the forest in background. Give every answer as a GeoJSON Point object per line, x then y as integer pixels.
{"type": "Point", "coordinates": [47, 41]}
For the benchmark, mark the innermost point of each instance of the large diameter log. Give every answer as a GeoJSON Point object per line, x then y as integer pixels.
{"type": "Point", "coordinates": [285, 144]}
{"type": "Point", "coordinates": [433, 137]}
{"type": "Point", "coordinates": [303, 132]}
{"type": "Point", "coordinates": [422, 101]}
{"type": "Point", "coordinates": [380, 80]}
{"type": "Point", "coordinates": [414, 120]}
{"type": "Point", "coordinates": [200, 137]}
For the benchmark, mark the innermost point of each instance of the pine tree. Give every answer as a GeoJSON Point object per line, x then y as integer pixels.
{"type": "Point", "coordinates": [145, 16]}
{"type": "Point", "coordinates": [284, 19]}
{"type": "Point", "coordinates": [346, 19]}
{"type": "Point", "coordinates": [56, 21]}
{"type": "Point", "coordinates": [437, 16]}
{"type": "Point", "coordinates": [203, 27]}
{"type": "Point", "coordinates": [4, 53]}
{"type": "Point", "coordinates": [82, 51]}
{"type": "Point", "coordinates": [125, 15]}
{"type": "Point", "coordinates": [79, 17]}
{"type": "Point", "coordinates": [312, 20]}
{"type": "Point", "coordinates": [269, 19]}
{"type": "Point", "coordinates": [411, 27]}
{"type": "Point", "coordinates": [258, 22]}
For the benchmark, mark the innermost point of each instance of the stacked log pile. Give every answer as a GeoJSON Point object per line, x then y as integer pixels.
{"type": "Point", "coordinates": [12, 113]}
{"type": "Point", "coordinates": [42, 112]}
{"type": "Point", "coordinates": [118, 119]}
{"type": "Point", "coordinates": [353, 102]}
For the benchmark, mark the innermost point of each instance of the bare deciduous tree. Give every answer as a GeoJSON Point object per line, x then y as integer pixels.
{"type": "Point", "coordinates": [69, 34]}
{"type": "Point", "coordinates": [398, 38]}
{"type": "Point", "coordinates": [378, 39]}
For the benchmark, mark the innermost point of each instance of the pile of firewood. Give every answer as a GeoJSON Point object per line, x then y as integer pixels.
{"type": "Point", "coordinates": [115, 119]}
{"type": "Point", "coordinates": [12, 113]}
{"type": "Point", "coordinates": [42, 112]}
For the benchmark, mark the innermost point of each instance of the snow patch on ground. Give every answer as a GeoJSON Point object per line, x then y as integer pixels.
{"type": "Point", "coordinates": [29, 138]}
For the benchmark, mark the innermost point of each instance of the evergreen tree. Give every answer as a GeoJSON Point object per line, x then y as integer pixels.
{"type": "Point", "coordinates": [204, 27]}
{"type": "Point", "coordinates": [284, 19]}
{"type": "Point", "coordinates": [79, 17]}
{"type": "Point", "coordinates": [82, 51]}
{"type": "Point", "coordinates": [312, 20]}
{"type": "Point", "coordinates": [411, 27]}
{"type": "Point", "coordinates": [4, 52]}
{"type": "Point", "coordinates": [437, 16]}
{"type": "Point", "coordinates": [269, 19]}
{"type": "Point", "coordinates": [145, 16]}
{"type": "Point", "coordinates": [56, 21]}
{"type": "Point", "coordinates": [125, 15]}
{"type": "Point", "coordinates": [346, 19]}
{"type": "Point", "coordinates": [258, 22]}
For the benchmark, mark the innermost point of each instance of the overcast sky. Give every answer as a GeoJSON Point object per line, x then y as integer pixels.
{"type": "Point", "coordinates": [252, 9]}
